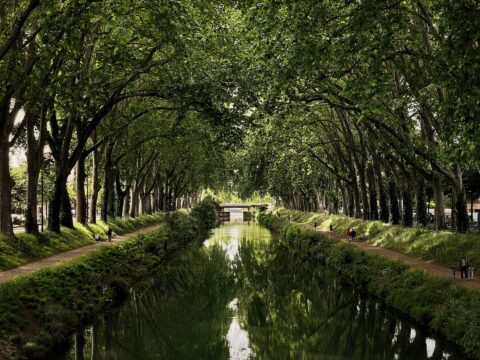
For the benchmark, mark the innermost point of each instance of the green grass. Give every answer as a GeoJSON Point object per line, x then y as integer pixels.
{"type": "Point", "coordinates": [25, 248]}
{"type": "Point", "coordinates": [444, 247]}
{"type": "Point", "coordinates": [439, 303]}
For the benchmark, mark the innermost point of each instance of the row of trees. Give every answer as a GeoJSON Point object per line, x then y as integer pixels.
{"type": "Point", "coordinates": [130, 92]}
{"type": "Point", "coordinates": [369, 103]}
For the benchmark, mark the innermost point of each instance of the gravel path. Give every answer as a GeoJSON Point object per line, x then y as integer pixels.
{"type": "Point", "coordinates": [429, 266]}
{"type": "Point", "coordinates": [29, 268]}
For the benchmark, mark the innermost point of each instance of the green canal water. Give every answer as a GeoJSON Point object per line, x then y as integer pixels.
{"type": "Point", "coordinates": [243, 295]}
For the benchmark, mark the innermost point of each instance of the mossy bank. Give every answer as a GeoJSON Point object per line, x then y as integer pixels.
{"type": "Point", "coordinates": [42, 311]}
{"type": "Point", "coordinates": [440, 304]}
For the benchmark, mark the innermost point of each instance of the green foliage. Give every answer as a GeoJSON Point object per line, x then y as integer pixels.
{"type": "Point", "coordinates": [441, 304]}
{"type": "Point", "coordinates": [206, 213]}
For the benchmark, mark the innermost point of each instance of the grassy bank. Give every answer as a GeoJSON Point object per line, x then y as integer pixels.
{"type": "Point", "coordinates": [43, 310]}
{"type": "Point", "coordinates": [25, 248]}
{"type": "Point", "coordinates": [440, 304]}
{"type": "Point", "coordinates": [444, 247]}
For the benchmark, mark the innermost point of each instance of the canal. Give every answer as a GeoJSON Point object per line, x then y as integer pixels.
{"type": "Point", "coordinates": [244, 295]}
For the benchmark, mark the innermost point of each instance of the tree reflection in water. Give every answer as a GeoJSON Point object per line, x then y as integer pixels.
{"type": "Point", "coordinates": [293, 308]}
{"type": "Point", "coordinates": [256, 299]}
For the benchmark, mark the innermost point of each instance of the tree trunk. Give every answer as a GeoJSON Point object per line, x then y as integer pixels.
{"type": "Point", "coordinates": [66, 218]}
{"type": "Point", "coordinates": [462, 223]}
{"type": "Point", "coordinates": [421, 207]}
{"type": "Point", "coordinates": [357, 202]}
{"type": "Point", "coordinates": [107, 181]}
{"type": "Point", "coordinates": [121, 194]}
{"type": "Point", "coordinates": [345, 200]}
{"type": "Point", "coordinates": [364, 194]}
{"type": "Point", "coordinates": [55, 205]}
{"type": "Point", "coordinates": [439, 202]}
{"type": "Point", "coordinates": [95, 182]}
{"type": "Point", "coordinates": [394, 209]}
{"type": "Point", "coordinates": [351, 202]}
{"type": "Point", "coordinates": [372, 189]}
{"type": "Point", "coordinates": [31, 222]}
{"type": "Point", "coordinates": [384, 211]}
{"type": "Point", "coordinates": [460, 205]}
{"type": "Point", "coordinates": [81, 211]}
{"type": "Point", "coordinates": [134, 202]}
{"type": "Point", "coordinates": [126, 207]}
{"type": "Point", "coordinates": [407, 207]}
{"type": "Point", "coordinates": [79, 346]}
{"type": "Point", "coordinates": [112, 201]}
{"type": "Point", "coordinates": [6, 184]}
{"type": "Point", "coordinates": [34, 156]}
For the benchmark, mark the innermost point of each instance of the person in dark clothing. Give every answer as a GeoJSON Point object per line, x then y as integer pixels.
{"type": "Point", "coordinates": [352, 234]}
{"type": "Point", "coordinates": [331, 227]}
{"type": "Point", "coordinates": [463, 267]}
{"type": "Point", "coordinates": [454, 271]}
{"type": "Point", "coordinates": [315, 225]}
{"type": "Point", "coordinates": [109, 234]}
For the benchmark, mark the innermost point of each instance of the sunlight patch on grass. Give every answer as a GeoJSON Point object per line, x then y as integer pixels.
{"type": "Point", "coordinates": [443, 247]}
{"type": "Point", "coordinates": [25, 248]}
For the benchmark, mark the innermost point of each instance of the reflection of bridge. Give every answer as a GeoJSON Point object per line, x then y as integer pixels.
{"type": "Point", "coordinates": [247, 209]}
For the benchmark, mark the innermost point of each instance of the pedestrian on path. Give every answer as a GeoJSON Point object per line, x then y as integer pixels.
{"type": "Point", "coordinates": [96, 237]}
{"type": "Point", "coordinates": [349, 234]}
{"type": "Point", "coordinates": [315, 225]}
{"type": "Point", "coordinates": [454, 271]}
{"type": "Point", "coordinates": [463, 267]}
{"type": "Point", "coordinates": [331, 227]}
{"type": "Point", "coordinates": [352, 234]}
{"type": "Point", "coordinates": [470, 272]}
{"type": "Point", "coordinates": [109, 234]}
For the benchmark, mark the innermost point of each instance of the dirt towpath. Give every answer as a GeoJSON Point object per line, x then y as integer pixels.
{"type": "Point", "coordinates": [29, 268]}
{"type": "Point", "coordinates": [429, 266]}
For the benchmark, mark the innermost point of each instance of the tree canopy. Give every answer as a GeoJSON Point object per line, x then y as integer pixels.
{"type": "Point", "coordinates": [361, 106]}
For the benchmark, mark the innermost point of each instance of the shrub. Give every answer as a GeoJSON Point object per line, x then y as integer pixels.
{"type": "Point", "coordinates": [206, 213]}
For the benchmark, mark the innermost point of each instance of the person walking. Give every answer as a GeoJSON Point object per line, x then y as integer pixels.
{"type": "Point", "coordinates": [109, 234]}
{"type": "Point", "coordinates": [463, 267]}
{"type": "Point", "coordinates": [470, 272]}
{"type": "Point", "coordinates": [315, 225]}
{"type": "Point", "coordinates": [352, 234]}
{"type": "Point", "coordinates": [349, 234]}
{"type": "Point", "coordinates": [331, 227]}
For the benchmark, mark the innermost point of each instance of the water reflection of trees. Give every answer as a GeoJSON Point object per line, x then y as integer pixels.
{"type": "Point", "coordinates": [183, 315]}
{"type": "Point", "coordinates": [293, 308]}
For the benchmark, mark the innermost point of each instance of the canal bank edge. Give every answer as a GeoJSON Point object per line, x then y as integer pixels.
{"type": "Point", "coordinates": [41, 311]}
{"type": "Point", "coordinates": [437, 303]}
